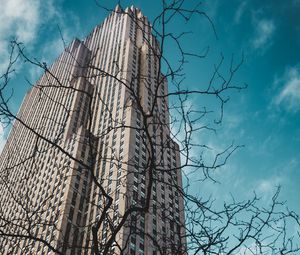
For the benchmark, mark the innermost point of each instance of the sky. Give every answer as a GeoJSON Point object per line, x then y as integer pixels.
{"type": "Point", "coordinates": [264, 118]}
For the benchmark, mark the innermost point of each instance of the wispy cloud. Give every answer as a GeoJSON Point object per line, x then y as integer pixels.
{"type": "Point", "coordinates": [22, 20]}
{"type": "Point", "coordinates": [18, 19]}
{"type": "Point", "coordinates": [52, 50]}
{"type": "Point", "coordinates": [289, 94]}
{"type": "Point", "coordinates": [254, 248]}
{"type": "Point", "coordinates": [264, 30]}
{"type": "Point", "coordinates": [212, 8]}
{"type": "Point", "coordinates": [240, 11]}
{"type": "Point", "coordinates": [266, 187]}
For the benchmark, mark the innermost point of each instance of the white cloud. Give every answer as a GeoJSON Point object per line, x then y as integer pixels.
{"type": "Point", "coordinates": [265, 188]}
{"type": "Point", "coordinates": [264, 30]}
{"type": "Point", "coordinates": [254, 248]}
{"type": "Point", "coordinates": [289, 95]}
{"type": "Point", "coordinates": [22, 20]}
{"type": "Point", "coordinates": [18, 19]}
{"type": "Point", "coordinates": [240, 11]}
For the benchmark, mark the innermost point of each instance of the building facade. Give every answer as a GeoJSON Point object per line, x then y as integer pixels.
{"type": "Point", "coordinates": [90, 154]}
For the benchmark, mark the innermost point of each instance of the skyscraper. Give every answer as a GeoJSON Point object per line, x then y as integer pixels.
{"type": "Point", "coordinates": [90, 153]}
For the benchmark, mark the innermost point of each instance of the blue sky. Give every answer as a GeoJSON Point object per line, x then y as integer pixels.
{"type": "Point", "coordinates": [265, 117]}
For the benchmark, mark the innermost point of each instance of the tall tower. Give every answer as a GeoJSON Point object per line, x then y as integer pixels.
{"type": "Point", "coordinates": [91, 152]}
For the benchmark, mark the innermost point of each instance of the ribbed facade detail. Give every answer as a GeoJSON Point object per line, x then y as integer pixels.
{"type": "Point", "coordinates": [87, 111]}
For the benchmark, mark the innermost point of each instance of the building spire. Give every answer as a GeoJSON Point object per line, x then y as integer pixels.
{"type": "Point", "coordinates": [118, 8]}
